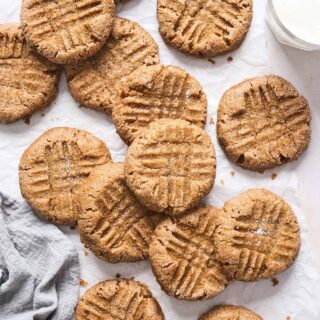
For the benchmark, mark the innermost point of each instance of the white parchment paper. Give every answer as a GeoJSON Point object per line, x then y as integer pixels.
{"type": "Point", "coordinates": [297, 296]}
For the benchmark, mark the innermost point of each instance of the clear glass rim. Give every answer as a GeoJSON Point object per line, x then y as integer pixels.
{"type": "Point", "coordinates": [286, 30]}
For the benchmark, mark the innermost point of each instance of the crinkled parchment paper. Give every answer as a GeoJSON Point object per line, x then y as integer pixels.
{"type": "Point", "coordinates": [298, 293]}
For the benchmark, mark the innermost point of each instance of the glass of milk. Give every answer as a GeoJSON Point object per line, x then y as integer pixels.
{"type": "Point", "coordinates": [296, 22]}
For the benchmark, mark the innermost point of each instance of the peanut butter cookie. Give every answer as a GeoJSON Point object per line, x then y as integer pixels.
{"type": "Point", "coordinates": [262, 237]}
{"type": "Point", "coordinates": [53, 168]}
{"type": "Point", "coordinates": [27, 82]}
{"type": "Point", "coordinates": [112, 223]}
{"type": "Point", "coordinates": [157, 92]}
{"type": "Point", "coordinates": [92, 82]}
{"type": "Point", "coordinates": [66, 31]}
{"type": "Point", "coordinates": [183, 255]}
{"type": "Point", "coordinates": [171, 166]}
{"type": "Point", "coordinates": [119, 299]}
{"type": "Point", "coordinates": [263, 122]}
{"type": "Point", "coordinates": [204, 27]}
{"type": "Point", "coordinates": [228, 312]}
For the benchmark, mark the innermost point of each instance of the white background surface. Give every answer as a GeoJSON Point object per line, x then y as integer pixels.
{"type": "Point", "coordinates": [298, 293]}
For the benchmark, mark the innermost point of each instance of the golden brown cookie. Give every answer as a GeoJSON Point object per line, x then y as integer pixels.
{"type": "Point", "coordinates": [119, 300]}
{"type": "Point", "coordinates": [92, 82]}
{"type": "Point", "coordinates": [112, 223]}
{"type": "Point", "coordinates": [53, 168]}
{"type": "Point", "coordinates": [204, 27]}
{"type": "Point", "coordinates": [157, 92]}
{"type": "Point", "coordinates": [263, 122]}
{"type": "Point", "coordinates": [27, 82]}
{"type": "Point", "coordinates": [183, 255]}
{"type": "Point", "coordinates": [66, 31]}
{"type": "Point", "coordinates": [171, 166]}
{"type": "Point", "coordinates": [262, 237]}
{"type": "Point", "coordinates": [228, 312]}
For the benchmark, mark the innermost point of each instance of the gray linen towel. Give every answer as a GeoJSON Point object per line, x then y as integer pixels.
{"type": "Point", "coordinates": [39, 267]}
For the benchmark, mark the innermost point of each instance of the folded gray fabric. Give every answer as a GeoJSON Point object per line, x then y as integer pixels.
{"type": "Point", "coordinates": [39, 267]}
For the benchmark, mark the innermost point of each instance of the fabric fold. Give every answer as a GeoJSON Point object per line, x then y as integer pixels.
{"type": "Point", "coordinates": [39, 266]}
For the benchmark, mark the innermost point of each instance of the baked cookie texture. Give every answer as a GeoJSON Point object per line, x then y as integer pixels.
{"type": "Point", "coordinates": [92, 82]}
{"type": "Point", "coordinates": [112, 223]}
{"type": "Point", "coordinates": [27, 82]}
{"type": "Point", "coordinates": [171, 166]}
{"type": "Point", "coordinates": [260, 239]}
{"type": "Point", "coordinates": [183, 255]}
{"type": "Point", "coordinates": [263, 123]}
{"type": "Point", "coordinates": [66, 31]}
{"type": "Point", "coordinates": [204, 27]}
{"type": "Point", "coordinates": [119, 299]}
{"type": "Point", "coordinates": [228, 312]}
{"type": "Point", "coordinates": [53, 168]}
{"type": "Point", "coordinates": [157, 92]}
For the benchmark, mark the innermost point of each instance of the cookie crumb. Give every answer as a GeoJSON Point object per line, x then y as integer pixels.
{"type": "Point", "coordinates": [288, 318]}
{"type": "Point", "coordinates": [132, 278]}
{"type": "Point", "coordinates": [211, 121]}
{"type": "Point", "coordinates": [118, 275]}
{"type": "Point", "coordinates": [275, 282]}
{"type": "Point", "coordinates": [27, 121]}
{"type": "Point", "coordinates": [43, 114]}
{"type": "Point", "coordinates": [73, 227]}
{"type": "Point", "coordinates": [86, 253]}
{"type": "Point", "coordinates": [83, 283]}
{"type": "Point", "coordinates": [212, 61]}
{"type": "Point", "coordinates": [232, 173]}
{"type": "Point", "coordinates": [274, 176]}
{"type": "Point", "coordinates": [230, 59]}
{"type": "Point", "coordinates": [222, 182]}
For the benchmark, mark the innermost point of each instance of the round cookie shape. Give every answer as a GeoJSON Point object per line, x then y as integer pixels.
{"type": "Point", "coordinates": [53, 168]}
{"type": "Point", "coordinates": [119, 299]}
{"type": "Point", "coordinates": [112, 223]}
{"type": "Point", "coordinates": [157, 92]}
{"type": "Point", "coordinates": [183, 255]}
{"type": "Point", "coordinates": [204, 28]}
{"type": "Point", "coordinates": [171, 166]}
{"type": "Point", "coordinates": [263, 123]}
{"type": "Point", "coordinates": [227, 312]}
{"type": "Point", "coordinates": [260, 239]}
{"type": "Point", "coordinates": [65, 31]}
{"type": "Point", "coordinates": [92, 82]}
{"type": "Point", "coordinates": [27, 82]}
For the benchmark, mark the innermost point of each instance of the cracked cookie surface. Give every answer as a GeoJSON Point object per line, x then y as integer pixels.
{"type": "Point", "coordinates": [229, 312]}
{"type": "Point", "coordinates": [157, 92]}
{"type": "Point", "coordinates": [260, 239]}
{"type": "Point", "coordinates": [92, 82]}
{"type": "Point", "coordinates": [112, 223]}
{"type": "Point", "coordinates": [53, 168]}
{"type": "Point", "coordinates": [204, 27]}
{"type": "Point", "coordinates": [28, 83]}
{"type": "Point", "coordinates": [263, 122]}
{"type": "Point", "coordinates": [171, 166]}
{"type": "Point", "coordinates": [119, 299]}
{"type": "Point", "coordinates": [183, 255]}
{"type": "Point", "coordinates": [66, 31]}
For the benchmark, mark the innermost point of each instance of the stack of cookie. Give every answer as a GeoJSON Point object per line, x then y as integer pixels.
{"type": "Point", "coordinates": [96, 48]}
{"type": "Point", "coordinates": [112, 64]}
{"type": "Point", "coordinates": [67, 176]}
{"type": "Point", "coordinates": [197, 255]}
{"type": "Point", "coordinates": [150, 206]}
